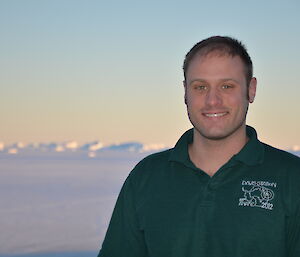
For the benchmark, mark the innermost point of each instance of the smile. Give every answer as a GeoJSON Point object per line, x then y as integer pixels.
{"type": "Point", "coordinates": [213, 115]}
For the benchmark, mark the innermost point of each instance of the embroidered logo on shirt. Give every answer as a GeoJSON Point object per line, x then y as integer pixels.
{"type": "Point", "coordinates": [257, 194]}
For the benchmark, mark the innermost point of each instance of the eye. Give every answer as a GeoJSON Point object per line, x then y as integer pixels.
{"type": "Point", "coordinates": [227, 86]}
{"type": "Point", "coordinates": [200, 87]}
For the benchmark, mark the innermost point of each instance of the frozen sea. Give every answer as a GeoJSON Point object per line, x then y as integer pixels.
{"type": "Point", "coordinates": [59, 204]}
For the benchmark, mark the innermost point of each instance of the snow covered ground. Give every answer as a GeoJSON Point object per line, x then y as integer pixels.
{"type": "Point", "coordinates": [59, 204]}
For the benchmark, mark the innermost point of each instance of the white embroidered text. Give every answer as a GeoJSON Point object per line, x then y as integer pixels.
{"type": "Point", "coordinates": [256, 194]}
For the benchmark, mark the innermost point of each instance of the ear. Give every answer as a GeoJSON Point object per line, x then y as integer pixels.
{"type": "Point", "coordinates": [184, 85]}
{"type": "Point", "coordinates": [252, 89]}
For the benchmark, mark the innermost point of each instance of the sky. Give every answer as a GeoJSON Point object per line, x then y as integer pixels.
{"type": "Point", "coordinates": [112, 70]}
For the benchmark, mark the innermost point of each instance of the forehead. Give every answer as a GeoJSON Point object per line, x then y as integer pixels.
{"type": "Point", "coordinates": [204, 55]}
{"type": "Point", "coordinates": [216, 65]}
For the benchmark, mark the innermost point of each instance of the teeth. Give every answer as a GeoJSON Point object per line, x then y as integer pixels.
{"type": "Point", "coordinates": [215, 114]}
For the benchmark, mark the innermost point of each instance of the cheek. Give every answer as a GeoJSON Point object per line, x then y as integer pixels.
{"type": "Point", "coordinates": [190, 99]}
{"type": "Point", "coordinates": [242, 106]}
{"type": "Point", "coordinates": [238, 100]}
{"type": "Point", "coordinates": [194, 104]}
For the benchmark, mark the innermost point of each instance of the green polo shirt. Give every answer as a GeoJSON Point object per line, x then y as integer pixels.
{"type": "Point", "coordinates": [169, 208]}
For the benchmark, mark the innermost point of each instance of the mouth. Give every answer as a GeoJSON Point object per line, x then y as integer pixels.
{"type": "Point", "coordinates": [215, 115]}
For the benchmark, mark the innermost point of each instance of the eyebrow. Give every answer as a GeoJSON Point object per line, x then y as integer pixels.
{"type": "Point", "coordinates": [222, 80]}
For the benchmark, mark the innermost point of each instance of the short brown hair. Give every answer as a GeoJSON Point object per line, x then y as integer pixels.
{"type": "Point", "coordinates": [224, 45]}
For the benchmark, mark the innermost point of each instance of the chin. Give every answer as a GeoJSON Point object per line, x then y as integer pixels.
{"type": "Point", "coordinates": [214, 136]}
{"type": "Point", "coordinates": [218, 133]}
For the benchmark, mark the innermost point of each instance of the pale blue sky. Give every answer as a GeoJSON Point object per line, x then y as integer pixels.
{"type": "Point", "coordinates": [111, 70]}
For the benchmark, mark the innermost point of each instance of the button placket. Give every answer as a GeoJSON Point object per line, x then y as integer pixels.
{"type": "Point", "coordinates": [208, 195]}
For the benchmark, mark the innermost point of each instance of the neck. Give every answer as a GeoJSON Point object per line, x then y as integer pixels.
{"type": "Point", "coordinates": [210, 155]}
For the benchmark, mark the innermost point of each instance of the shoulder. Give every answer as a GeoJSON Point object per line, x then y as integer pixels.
{"type": "Point", "coordinates": [151, 163]}
{"type": "Point", "coordinates": [281, 158]}
{"type": "Point", "coordinates": [286, 168]}
{"type": "Point", "coordinates": [155, 159]}
{"type": "Point", "coordinates": [282, 164]}
{"type": "Point", "coordinates": [148, 174]}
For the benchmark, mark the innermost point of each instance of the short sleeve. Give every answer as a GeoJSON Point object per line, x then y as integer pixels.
{"type": "Point", "coordinates": [124, 237]}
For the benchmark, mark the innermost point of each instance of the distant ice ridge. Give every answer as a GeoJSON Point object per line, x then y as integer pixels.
{"type": "Point", "coordinates": [135, 147]}
{"type": "Point", "coordinates": [91, 148]}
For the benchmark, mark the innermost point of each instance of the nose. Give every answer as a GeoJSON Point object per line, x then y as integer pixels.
{"type": "Point", "coordinates": [213, 97]}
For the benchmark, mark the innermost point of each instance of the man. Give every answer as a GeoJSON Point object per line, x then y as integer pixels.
{"type": "Point", "coordinates": [219, 192]}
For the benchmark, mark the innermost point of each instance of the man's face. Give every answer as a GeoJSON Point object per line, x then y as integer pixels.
{"type": "Point", "coordinates": [216, 95]}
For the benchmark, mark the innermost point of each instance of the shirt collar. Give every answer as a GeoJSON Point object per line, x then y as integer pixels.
{"type": "Point", "coordinates": [251, 154]}
{"type": "Point", "coordinates": [180, 151]}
